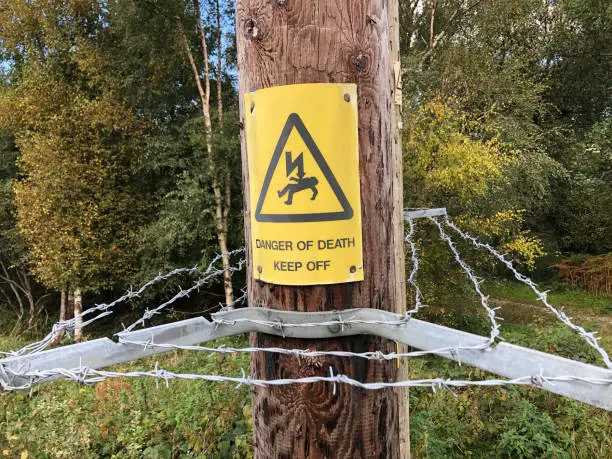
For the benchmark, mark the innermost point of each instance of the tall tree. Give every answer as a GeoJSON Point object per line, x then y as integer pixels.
{"type": "Point", "coordinates": [221, 183]}
{"type": "Point", "coordinates": [17, 290]}
{"type": "Point", "coordinates": [515, 71]}
{"type": "Point", "coordinates": [75, 201]}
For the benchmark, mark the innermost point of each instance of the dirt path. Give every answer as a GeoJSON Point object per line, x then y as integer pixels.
{"type": "Point", "coordinates": [578, 313]}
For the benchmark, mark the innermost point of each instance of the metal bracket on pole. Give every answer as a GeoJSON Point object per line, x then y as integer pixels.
{"type": "Point", "coordinates": [411, 214]}
{"type": "Point", "coordinates": [504, 359]}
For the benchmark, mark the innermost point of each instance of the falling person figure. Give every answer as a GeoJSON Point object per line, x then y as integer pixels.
{"type": "Point", "coordinates": [301, 184]}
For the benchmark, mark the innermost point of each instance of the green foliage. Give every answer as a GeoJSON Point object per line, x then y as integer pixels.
{"type": "Point", "coordinates": [446, 166]}
{"type": "Point", "coordinates": [533, 76]}
{"type": "Point", "coordinates": [584, 205]}
{"type": "Point", "coordinates": [558, 293]}
{"type": "Point", "coordinates": [442, 164]}
{"type": "Point", "coordinates": [579, 64]}
{"type": "Point", "coordinates": [100, 97]}
{"type": "Point", "coordinates": [506, 229]}
{"type": "Point", "coordinates": [75, 203]}
{"type": "Point", "coordinates": [135, 418]}
{"type": "Point", "coordinates": [184, 230]}
{"type": "Point", "coordinates": [509, 421]}
{"type": "Point", "coordinates": [11, 246]}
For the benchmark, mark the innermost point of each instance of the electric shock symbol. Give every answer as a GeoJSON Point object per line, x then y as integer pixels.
{"type": "Point", "coordinates": [291, 165]}
{"type": "Point", "coordinates": [299, 213]}
{"type": "Point", "coordinates": [301, 183]}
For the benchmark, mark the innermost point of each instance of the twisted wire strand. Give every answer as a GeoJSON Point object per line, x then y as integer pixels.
{"type": "Point", "coordinates": [280, 326]}
{"type": "Point", "coordinates": [208, 275]}
{"type": "Point", "coordinates": [103, 308]}
{"type": "Point", "coordinates": [86, 375]}
{"type": "Point", "coordinates": [89, 376]}
{"type": "Point", "coordinates": [418, 296]}
{"type": "Point", "coordinates": [402, 320]}
{"type": "Point", "coordinates": [451, 351]}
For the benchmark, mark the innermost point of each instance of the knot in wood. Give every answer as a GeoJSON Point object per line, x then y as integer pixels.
{"type": "Point", "coordinates": [360, 63]}
{"type": "Point", "coordinates": [251, 29]}
{"type": "Point", "coordinates": [278, 3]}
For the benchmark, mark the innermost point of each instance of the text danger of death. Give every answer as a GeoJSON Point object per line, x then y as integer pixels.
{"type": "Point", "coordinates": [320, 244]}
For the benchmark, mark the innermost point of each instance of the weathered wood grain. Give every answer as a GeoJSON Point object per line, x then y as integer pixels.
{"type": "Point", "coordinates": [284, 42]}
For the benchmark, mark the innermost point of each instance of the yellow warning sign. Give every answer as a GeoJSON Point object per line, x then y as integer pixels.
{"type": "Point", "coordinates": [302, 146]}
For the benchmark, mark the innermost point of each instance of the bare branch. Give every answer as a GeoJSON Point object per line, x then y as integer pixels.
{"type": "Point", "coordinates": [435, 39]}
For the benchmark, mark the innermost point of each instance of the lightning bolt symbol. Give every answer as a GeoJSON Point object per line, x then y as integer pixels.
{"type": "Point", "coordinates": [298, 164]}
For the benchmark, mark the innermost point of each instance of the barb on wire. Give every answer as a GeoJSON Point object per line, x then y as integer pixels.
{"type": "Point", "coordinates": [589, 337]}
{"type": "Point", "coordinates": [418, 296]}
{"type": "Point", "coordinates": [468, 271]}
{"type": "Point", "coordinates": [88, 376]}
{"type": "Point", "coordinates": [103, 309]}
{"type": "Point", "coordinates": [240, 300]}
{"type": "Point", "coordinates": [208, 275]}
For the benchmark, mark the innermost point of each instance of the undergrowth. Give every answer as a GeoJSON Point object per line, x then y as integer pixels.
{"type": "Point", "coordinates": [133, 418]}
{"type": "Point", "coordinates": [130, 418]}
{"type": "Point", "coordinates": [508, 422]}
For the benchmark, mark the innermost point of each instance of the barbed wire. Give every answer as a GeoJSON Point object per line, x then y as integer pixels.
{"type": "Point", "coordinates": [89, 376]}
{"type": "Point", "coordinates": [588, 337]}
{"type": "Point", "coordinates": [340, 323]}
{"type": "Point", "coordinates": [103, 308]}
{"type": "Point", "coordinates": [484, 300]}
{"type": "Point", "coordinates": [418, 296]}
{"type": "Point", "coordinates": [12, 379]}
{"type": "Point", "coordinates": [451, 351]}
{"type": "Point", "coordinates": [208, 275]}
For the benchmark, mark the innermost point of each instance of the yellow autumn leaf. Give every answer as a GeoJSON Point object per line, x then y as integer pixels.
{"type": "Point", "coordinates": [5, 452]}
{"type": "Point", "coordinates": [24, 455]}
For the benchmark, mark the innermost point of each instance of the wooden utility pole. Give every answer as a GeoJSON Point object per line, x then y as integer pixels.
{"type": "Point", "coordinates": [283, 42]}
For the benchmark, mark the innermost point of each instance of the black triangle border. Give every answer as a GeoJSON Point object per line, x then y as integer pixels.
{"type": "Point", "coordinates": [294, 121]}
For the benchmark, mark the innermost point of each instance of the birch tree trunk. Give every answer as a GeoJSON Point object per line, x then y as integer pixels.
{"type": "Point", "coordinates": [219, 62]}
{"type": "Point", "coordinates": [218, 189]}
{"type": "Point", "coordinates": [62, 315]}
{"type": "Point", "coordinates": [78, 309]}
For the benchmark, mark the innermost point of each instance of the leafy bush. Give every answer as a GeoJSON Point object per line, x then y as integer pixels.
{"type": "Point", "coordinates": [527, 433]}
{"type": "Point", "coordinates": [134, 418]}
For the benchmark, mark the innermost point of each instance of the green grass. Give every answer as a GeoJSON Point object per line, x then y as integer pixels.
{"type": "Point", "coordinates": [512, 422]}
{"type": "Point", "coordinates": [559, 295]}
